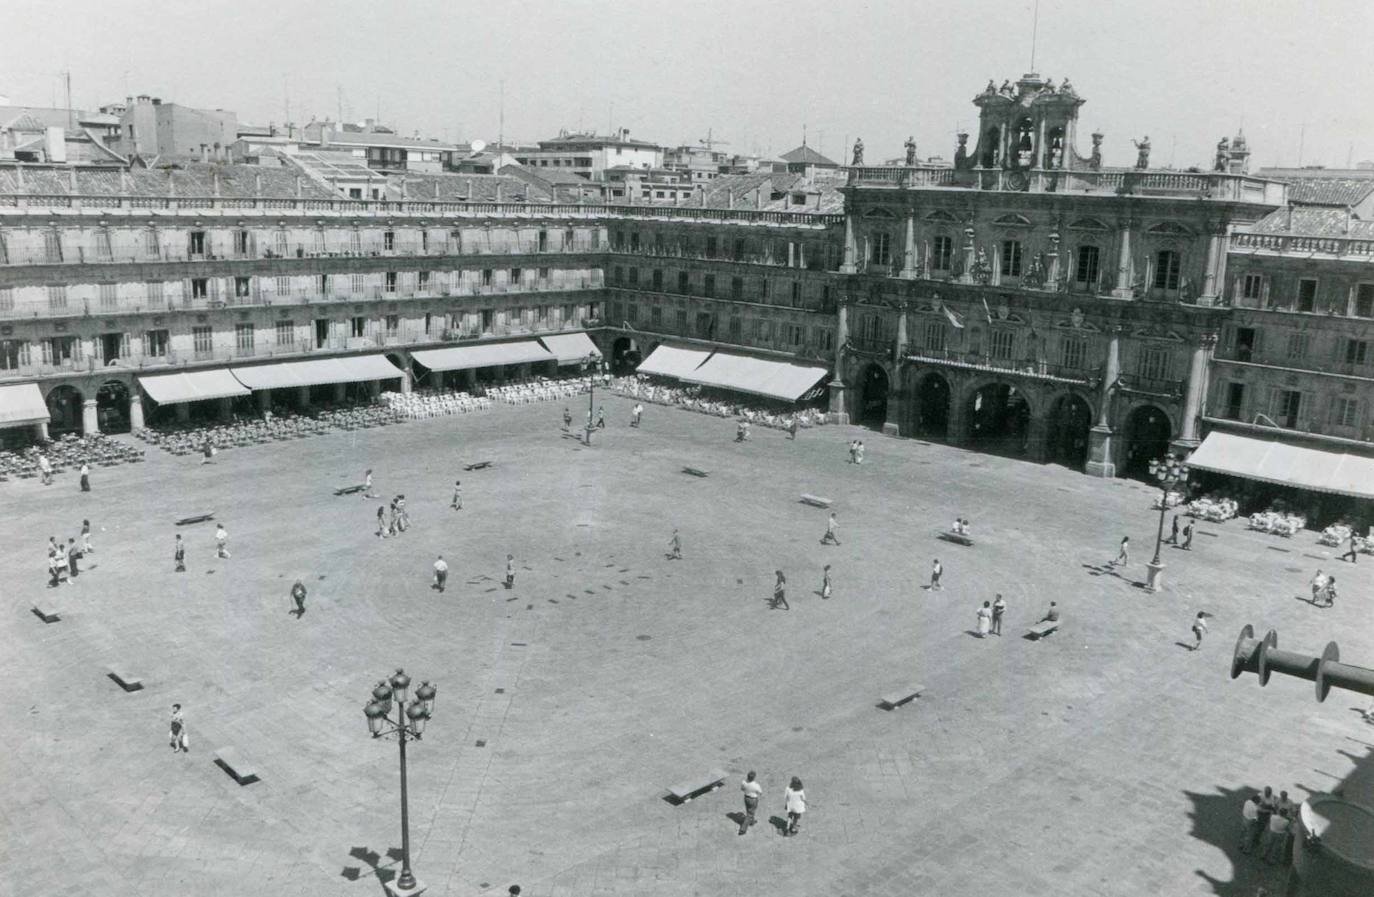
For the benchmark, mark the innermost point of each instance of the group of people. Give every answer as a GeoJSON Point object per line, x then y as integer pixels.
{"type": "Point", "coordinates": [1323, 590]}
{"type": "Point", "coordinates": [392, 520]}
{"type": "Point", "coordinates": [856, 451]}
{"type": "Point", "coordinates": [1268, 826]}
{"type": "Point", "coordinates": [63, 558]}
{"type": "Point", "coordinates": [1187, 533]}
{"type": "Point", "coordinates": [793, 802]}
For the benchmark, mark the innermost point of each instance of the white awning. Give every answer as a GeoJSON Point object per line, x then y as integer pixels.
{"type": "Point", "coordinates": [775, 379]}
{"type": "Point", "coordinates": [570, 348]}
{"type": "Point", "coordinates": [318, 372]}
{"type": "Point", "coordinates": [671, 361]}
{"type": "Point", "coordinates": [1284, 464]}
{"type": "Point", "coordinates": [192, 386]}
{"type": "Point", "coordinates": [462, 358]}
{"type": "Point", "coordinates": [22, 404]}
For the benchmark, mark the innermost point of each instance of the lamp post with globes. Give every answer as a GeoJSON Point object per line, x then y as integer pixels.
{"type": "Point", "coordinates": [408, 724]}
{"type": "Point", "coordinates": [1171, 474]}
{"type": "Point", "coordinates": [594, 366]}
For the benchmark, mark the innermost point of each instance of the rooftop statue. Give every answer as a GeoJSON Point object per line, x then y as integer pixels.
{"type": "Point", "coordinates": [1006, 88]}
{"type": "Point", "coordinates": [1066, 88]}
{"type": "Point", "coordinates": [991, 88]}
{"type": "Point", "coordinates": [1142, 157]}
{"type": "Point", "coordinates": [1223, 154]}
{"type": "Point", "coordinates": [858, 151]}
{"type": "Point", "coordinates": [910, 151]}
{"type": "Point", "coordinates": [961, 151]}
{"type": "Point", "coordinates": [1095, 160]}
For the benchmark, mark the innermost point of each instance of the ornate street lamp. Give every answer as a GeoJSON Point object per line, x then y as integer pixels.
{"type": "Point", "coordinates": [594, 366]}
{"type": "Point", "coordinates": [1171, 474]}
{"type": "Point", "coordinates": [408, 724]}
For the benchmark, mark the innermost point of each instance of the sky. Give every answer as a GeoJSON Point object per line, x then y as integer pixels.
{"type": "Point", "coordinates": [750, 73]}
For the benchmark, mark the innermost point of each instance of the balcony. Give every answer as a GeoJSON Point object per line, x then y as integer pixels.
{"type": "Point", "coordinates": [1029, 368]}
{"type": "Point", "coordinates": [1119, 181]}
{"type": "Point", "coordinates": [1153, 386]}
{"type": "Point", "coordinates": [1357, 249]}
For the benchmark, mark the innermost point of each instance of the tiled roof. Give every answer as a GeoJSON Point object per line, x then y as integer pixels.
{"type": "Point", "coordinates": [1340, 192]}
{"type": "Point", "coordinates": [596, 140]}
{"type": "Point", "coordinates": [24, 122]}
{"type": "Point", "coordinates": [1313, 222]}
{"type": "Point", "coordinates": [556, 176]}
{"type": "Point", "coordinates": [805, 154]}
{"type": "Point", "coordinates": [375, 138]}
{"type": "Point", "coordinates": [464, 187]}
{"type": "Point", "coordinates": [192, 179]}
{"type": "Point", "coordinates": [738, 191]}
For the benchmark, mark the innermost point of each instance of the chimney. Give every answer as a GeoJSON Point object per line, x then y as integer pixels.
{"type": "Point", "coordinates": [758, 197]}
{"type": "Point", "coordinates": [171, 188]}
{"type": "Point", "coordinates": [498, 191]}
{"type": "Point", "coordinates": [257, 183]}
{"type": "Point", "coordinates": [298, 187]}
{"type": "Point", "coordinates": [1348, 213]}
{"type": "Point", "coordinates": [71, 178]}
{"type": "Point", "coordinates": [470, 195]}
{"type": "Point", "coordinates": [403, 189]}
{"type": "Point", "coordinates": [436, 189]}
{"type": "Point", "coordinates": [1288, 219]}
{"type": "Point", "coordinates": [124, 182]}
{"type": "Point", "coordinates": [729, 199]}
{"type": "Point", "coordinates": [214, 183]}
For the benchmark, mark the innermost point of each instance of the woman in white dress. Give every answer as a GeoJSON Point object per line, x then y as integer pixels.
{"type": "Point", "coordinates": [984, 619]}
{"type": "Point", "coordinates": [794, 800]}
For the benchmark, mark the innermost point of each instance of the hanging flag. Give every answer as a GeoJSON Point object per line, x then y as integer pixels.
{"type": "Point", "coordinates": [953, 318]}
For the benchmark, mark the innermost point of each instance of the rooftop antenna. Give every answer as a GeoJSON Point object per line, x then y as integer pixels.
{"type": "Point", "coordinates": [1302, 137]}
{"type": "Point", "coordinates": [501, 116]}
{"type": "Point", "coordinates": [1035, 28]}
{"type": "Point", "coordinates": [338, 88]}
{"type": "Point", "coordinates": [803, 134]}
{"type": "Point", "coordinates": [71, 116]}
{"type": "Point", "coordinates": [1350, 155]}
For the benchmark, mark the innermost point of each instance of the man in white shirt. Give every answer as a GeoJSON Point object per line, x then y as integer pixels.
{"type": "Point", "coordinates": [638, 412]}
{"type": "Point", "coordinates": [440, 573]}
{"type": "Point", "coordinates": [221, 540]}
{"type": "Point", "coordinates": [1249, 814]}
{"type": "Point", "coordinates": [752, 792]}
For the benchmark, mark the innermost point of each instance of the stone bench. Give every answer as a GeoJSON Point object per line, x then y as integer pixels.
{"type": "Point", "coordinates": [480, 465]}
{"type": "Point", "coordinates": [46, 612]}
{"type": "Point", "coordinates": [951, 536]}
{"type": "Point", "coordinates": [240, 770]}
{"type": "Point", "coordinates": [196, 518]}
{"type": "Point", "coordinates": [816, 501]}
{"type": "Point", "coordinates": [350, 490]}
{"type": "Point", "coordinates": [124, 680]}
{"type": "Point", "coordinates": [894, 699]}
{"type": "Point", "coordinates": [685, 791]}
{"type": "Point", "coordinates": [696, 472]}
{"type": "Point", "coordinates": [1042, 629]}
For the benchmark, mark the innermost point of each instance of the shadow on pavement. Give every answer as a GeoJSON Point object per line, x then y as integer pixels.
{"type": "Point", "coordinates": [373, 861]}
{"type": "Point", "coordinates": [1217, 821]}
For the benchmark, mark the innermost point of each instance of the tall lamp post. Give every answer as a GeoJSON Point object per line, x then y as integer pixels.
{"type": "Point", "coordinates": [1171, 473]}
{"type": "Point", "coordinates": [408, 724]}
{"type": "Point", "coordinates": [594, 365]}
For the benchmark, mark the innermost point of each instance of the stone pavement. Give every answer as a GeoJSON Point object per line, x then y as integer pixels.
{"type": "Point", "coordinates": [1105, 760]}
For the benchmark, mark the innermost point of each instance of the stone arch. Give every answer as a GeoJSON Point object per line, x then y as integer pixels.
{"type": "Point", "coordinates": [625, 355]}
{"type": "Point", "coordinates": [874, 385]}
{"type": "Point", "coordinates": [65, 403]}
{"type": "Point", "coordinates": [1148, 431]}
{"type": "Point", "coordinates": [1070, 418]}
{"type": "Point", "coordinates": [931, 404]}
{"type": "Point", "coordinates": [997, 417]}
{"type": "Point", "coordinates": [112, 400]}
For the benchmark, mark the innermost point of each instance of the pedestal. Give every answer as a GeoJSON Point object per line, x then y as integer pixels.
{"type": "Point", "coordinates": [839, 407]}
{"type": "Point", "coordinates": [136, 422]}
{"type": "Point", "coordinates": [1100, 451]}
{"type": "Point", "coordinates": [90, 420]}
{"type": "Point", "coordinates": [1154, 576]}
{"type": "Point", "coordinates": [396, 890]}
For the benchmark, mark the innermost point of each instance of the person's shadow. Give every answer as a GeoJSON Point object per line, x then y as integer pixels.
{"type": "Point", "coordinates": [779, 823]}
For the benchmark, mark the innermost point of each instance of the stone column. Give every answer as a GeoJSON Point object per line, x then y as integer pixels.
{"type": "Point", "coordinates": [909, 252]}
{"type": "Point", "coordinates": [1101, 446]}
{"type": "Point", "coordinates": [1052, 263]}
{"type": "Point", "coordinates": [1036, 432]}
{"type": "Point", "coordinates": [407, 381]}
{"type": "Point", "coordinates": [1123, 262]}
{"type": "Point", "coordinates": [40, 431]}
{"type": "Point", "coordinates": [851, 250]}
{"type": "Point", "coordinates": [90, 421]}
{"type": "Point", "coordinates": [136, 411]}
{"type": "Point", "coordinates": [1193, 397]}
{"type": "Point", "coordinates": [1214, 276]}
{"type": "Point", "coordinates": [967, 275]}
{"type": "Point", "coordinates": [839, 407]}
{"type": "Point", "coordinates": [183, 411]}
{"type": "Point", "coordinates": [340, 393]}
{"type": "Point", "coordinates": [264, 398]}
{"type": "Point", "coordinates": [956, 421]}
{"type": "Point", "coordinates": [225, 408]}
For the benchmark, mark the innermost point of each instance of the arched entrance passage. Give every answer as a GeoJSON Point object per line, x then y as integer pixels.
{"type": "Point", "coordinates": [1066, 440]}
{"type": "Point", "coordinates": [998, 419]}
{"type": "Point", "coordinates": [932, 406]}
{"type": "Point", "coordinates": [873, 388]}
{"type": "Point", "coordinates": [1147, 437]}
{"type": "Point", "coordinates": [64, 407]}
{"type": "Point", "coordinates": [625, 355]}
{"type": "Point", "coordinates": [112, 407]}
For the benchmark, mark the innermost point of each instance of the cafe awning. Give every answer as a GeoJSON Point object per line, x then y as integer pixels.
{"type": "Point", "coordinates": [671, 361]}
{"type": "Point", "coordinates": [775, 379]}
{"type": "Point", "coordinates": [461, 358]}
{"type": "Point", "coordinates": [1286, 464]}
{"type": "Point", "coordinates": [192, 386]}
{"type": "Point", "coordinates": [318, 372]}
{"type": "Point", "coordinates": [571, 348]}
{"type": "Point", "coordinates": [22, 404]}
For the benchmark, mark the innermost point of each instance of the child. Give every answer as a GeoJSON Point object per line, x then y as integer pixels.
{"type": "Point", "coordinates": [1199, 628]}
{"type": "Point", "coordinates": [221, 540]}
{"type": "Point", "coordinates": [457, 503]}
{"type": "Point", "coordinates": [825, 582]}
{"type": "Point", "coordinates": [780, 592]}
{"type": "Point", "coordinates": [178, 738]}
{"type": "Point", "coordinates": [567, 420]}
{"type": "Point", "coordinates": [381, 521]}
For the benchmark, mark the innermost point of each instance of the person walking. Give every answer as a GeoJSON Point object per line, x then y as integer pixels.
{"type": "Point", "coordinates": [1329, 593]}
{"type": "Point", "coordinates": [45, 467]}
{"type": "Point", "coordinates": [402, 516]}
{"type": "Point", "coordinates": [54, 569]}
{"type": "Point", "coordinates": [752, 792]}
{"type": "Point", "coordinates": [62, 561]}
{"type": "Point", "coordinates": [859, 453]}
{"type": "Point", "coordinates": [1199, 628]}
{"type": "Point", "coordinates": [179, 555]}
{"type": "Point", "coordinates": [829, 537]}
{"type": "Point", "coordinates": [381, 521]}
{"type": "Point", "coordinates": [853, 450]}
{"type": "Point", "coordinates": [1318, 586]}
{"type": "Point", "coordinates": [794, 802]}
{"type": "Point", "coordinates": [1276, 838]}
{"type": "Point", "coordinates": [792, 428]}
{"type": "Point", "coordinates": [457, 503]}
{"type": "Point", "coordinates": [999, 610]}
{"type": "Point", "coordinates": [567, 419]}
{"type": "Point", "coordinates": [1350, 555]}
{"type": "Point", "coordinates": [73, 555]}
{"type": "Point", "coordinates": [207, 451]}
{"type": "Point", "coordinates": [780, 592]}
{"type": "Point", "coordinates": [936, 571]}
{"type": "Point", "coordinates": [1173, 532]}
{"type": "Point", "coordinates": [367, 485]}
{"type": "Point", "coordinates": [177, 735]}
{"type": "Point", "coordinates": [601, 417]}
{"type": "Point", "coordinates": [1124, 555]}
{"type": "Point", "coordinates": [984, 619]}
{"type": "Point", "coordinates": [675, 547]}
{"type": "Point", "coordinates": [739, 431]}
{"type": "Point", "coordinates": [825, 582]}
{"type": "Point", "coordinates": [298, 597]}
{"type": "Point", "coordinates": [636, 414]}
{"type": "Point", "coordinates": [510, 571]}
{"type": "Point", "coordinates": [85, 477]}
{"type": "Point", "coordinates": [86, 547]}
{"type": "Point", "coordinates": [441, 574]}
{"type": "Point", "coordinates": [1188, 536]}
{"type": "Point", "coordinates": [221, 541]}
{"type": "Point", "coordinates": [392, 519]}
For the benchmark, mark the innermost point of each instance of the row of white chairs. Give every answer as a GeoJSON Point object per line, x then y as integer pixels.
{"type": "Point", "coordinates": [539, 390]}
{"type": "Point", "coordinates": [418, 405]}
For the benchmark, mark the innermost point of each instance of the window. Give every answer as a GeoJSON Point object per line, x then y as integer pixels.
{"type": "Point", "coordinates": [62, 349]}
{"type": "Point", "coordinates": [541, 313]}
{"type": "Point", "coordinates": [1364, 300]}
{"type": "Point", "coordinates": [711, 247]}
{"type": "Point", "coordinates": [319, 241]}
{"type": "Point", "coordinates": [1000, 343]}
{"type": "Point", "coordinates": [155, 297]}
{"type": "Point", "coordinates": [617, 274]}
{"type": "Point", "coordinates": [286, 334]}
{"type": "Point", "coordinates": [196, 242]}
{"type": "Point", "coordinates": [155, 343]}
{"type": "Point", "coordinates": [6, 299]}
{"type": "Point", "coordinates": [57, 296]}
{"type": "Point", "coordinates": [1252, 286]}
{"type": "Point", "coordinates": [739, 251]}
{"type": "Point", "coordinates": [391, 281]}
{"type": "Point", "coordinates": [202, 340]}
{"type": "Point", "coordinates": [655, 316]}
{"type": "Point", "coordinates": [1345, 411]}
{"type": "Point", "coordinates": [1307, 295]}
{"type": "Point", "coordinates": [102, 245]}
{"type": "Point", "coordinates": [1356, 351]}
{"type": "Point", "coordinates": [358, 326]}
{"type": "Point", "coordinates": [880, 248]}
{"type": "Point", "coordinates": [684, 282]}
{"type": "Point", "coordinates": [1246, 341]}
{"type": "Point", "coordinates": [13, 354]}
{"type": "Point", "coordinates": [282, 286]}
{"type": "Point", "coordinates": [422, 281]}
{"type": "Point", "coordinates": [763, 289]}
{"type": "Point", "coordinates": [515, 275]}
{"type": "Point", "coordinates": [569, 238]}
{"type": "Point", "coordinates": [355, 241]}
{"type": "Point", "coordinates": [150, 244]}
{"type": "Point", "coordinates": [243, 338]}
{"type": "Point", "coordinates": [634, 241]}
{"type": "Point", "coordinates": [632, 313]}
{"type": "Point", "coordinates": [1074, 352]}
{"type": "Point", "coordinates": [825, 339]}
{"type": "Point", "coordinates": [487, 276]}
{"type": "Point", "coordinates": [942, 253]}
{"type": "Point", "coordinates": [658, 280]}
{"type": "Point", "coordinates": [1297, 346]}
{"type": "Point", "coordinates": [243, 287]}
{"type": "Point", "coordinates": [455, 241]}
{"type": "Point", "coordinates": [737, 288]}
{"type": "Point", "coordinates": [200, 287]}
{"type": "Point", "coordinates": [279, 243]}
{"type": "Point", "coordinates": [389, 240]}
{"type": "Point", "coordinates": [1166, 270]}
{"type": "Point", "coordinates": [1088, 267]}
{"type": "Point", "coordinates": [708, 287]}
{"type": "Point", "coordinates": [52, 246]}
{"type": "Point", "coordinates": [241, 242]}
{"type": "Point", "coordinates": [1011, 258]}
{"type": "Point", "coordinates": [109, 296]}
{"type": "Point", "coordinates": [1235, 398]}
{"type": "Point", "coordinates": [935, 336]}
{"type": "Point", "coordinates": [634, 277]}
{"type": "Point", "coordinates": [681, 317]}
{"type": "Point", "coordinates": [1154, 364]}
{"type": "Point", "coordinates": [796, 294]}
{"type": "Point", "coordinates": [1287, 403]}
{"type": "Point", "coordinates": [393, 325]}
